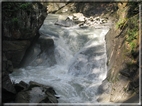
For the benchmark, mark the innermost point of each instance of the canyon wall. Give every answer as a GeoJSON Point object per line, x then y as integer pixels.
{"type": "Point", "coordinates": [122, 82]}
{"type": "Point", "coordinates": [20, 24]}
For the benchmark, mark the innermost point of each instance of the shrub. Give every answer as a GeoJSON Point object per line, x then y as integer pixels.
{"type": "Point", "coordinates": [132, 32]}
{"type": "Point", "coordinates": [25, 6]}
{"type": "Point", "coordinates": [121, 23]}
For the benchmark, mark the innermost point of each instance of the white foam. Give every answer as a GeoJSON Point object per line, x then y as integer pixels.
{"type": "Point", "coordinates": [81, 62]}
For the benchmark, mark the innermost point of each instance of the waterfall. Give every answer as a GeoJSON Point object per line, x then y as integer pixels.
{"type": "Point", "coordinates": [74, 67]}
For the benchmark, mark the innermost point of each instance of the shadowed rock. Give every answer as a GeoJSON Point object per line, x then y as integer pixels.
{"type": "Point", "coordinates": [36, 93]}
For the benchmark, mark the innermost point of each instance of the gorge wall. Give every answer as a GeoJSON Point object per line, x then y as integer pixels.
{"type": "Point", "coordinates": [20, 29]}
{"type": "Point", "coordinates": [122, 82]}
{"type": "Point", "coordinates": [20, 24]}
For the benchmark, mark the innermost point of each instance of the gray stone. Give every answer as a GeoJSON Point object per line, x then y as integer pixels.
{"type": "Point", "coordinates": [6, 83]}
{"type": "Point", "coordinates": [37, 93]}
{"type": "Point", "coordinates": [45, 43]}
{"type": "Point", "coordinates": [15, 50]}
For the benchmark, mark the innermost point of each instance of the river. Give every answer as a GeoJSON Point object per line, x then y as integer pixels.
{"type": "Point", "coordinates": [78, 66]}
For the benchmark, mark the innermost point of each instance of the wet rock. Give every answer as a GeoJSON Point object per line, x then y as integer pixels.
{"type": "Point", "coordinates": [45, 43]}
{"type": "Point", "coordinates": [8, 90]}
{"type": "Point", "coordinates": [7, 64]}
{"type": "Point", "coordinates": [22, 97]}
{"type": "Point", "coordinates": [21, 86]}
{"type": "Point", "coordinates": [6, 83]}
{"type": "Point", "coordinates": [65, 21]}
{"type": "Point", "coordinates": [15, 50]}
{"type": "Point", "coordinates": [36, 93]}
{"type": "Point", "coordinates": [79, 17]}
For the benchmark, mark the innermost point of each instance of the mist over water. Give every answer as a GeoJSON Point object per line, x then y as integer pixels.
{"type": "Point", "coordinates": [74, 67]}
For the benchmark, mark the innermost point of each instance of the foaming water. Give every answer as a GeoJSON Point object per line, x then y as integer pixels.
{"type": "Point", "coordinates": [78, 66]}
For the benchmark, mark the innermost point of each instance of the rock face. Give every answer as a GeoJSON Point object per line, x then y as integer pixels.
{"type": "Point", "coordinates": [15, 50]}
{"type": "Point", "coordinates": [122, 82]}
{"type": "Point", "coordinates": [20, 25]}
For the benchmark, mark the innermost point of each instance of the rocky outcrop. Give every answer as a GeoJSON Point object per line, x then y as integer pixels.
{"type": "Point", "coordinates": [35, 93]}
{"type": "Point", "coordinates": [21, 22]}
{"type": "Point", "coordinates": [15, 50]}
{"type": "Point", "coordinates": [28, 93]}
{"type": "Point", "coordinates": [20, 25]}
{"type": "Point", "coordinates": [122, 82]}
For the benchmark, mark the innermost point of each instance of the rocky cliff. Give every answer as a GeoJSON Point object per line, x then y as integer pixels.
{"type": "Point", "coordinates": [20, 24]}
{"type": "Point", "coordinates": [122, 82]}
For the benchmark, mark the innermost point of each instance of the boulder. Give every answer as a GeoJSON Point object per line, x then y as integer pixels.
{"type": "Point", "coordinates": [36, 93]}
{"type": "Point", "coordinates": [45, 43]}
{"type": "Point", "coordinates": [21, 86]}
{"type": "Point", "coordinates": [79, 17]}
{"type": "Point", "coordinates": [8, 90]}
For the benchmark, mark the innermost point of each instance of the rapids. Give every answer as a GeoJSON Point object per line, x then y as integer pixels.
{"type": "Point", "coordinates": [78, 66]}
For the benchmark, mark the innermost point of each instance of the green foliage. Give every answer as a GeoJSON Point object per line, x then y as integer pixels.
{"type": "Point", "coordinates": [133, 45]}
{"type": "Point", "coordinates": [11, 13]}
{"type": "Point", "coordinates": [25, 6]}
{"type": "Point", "coordinates": [10, 9]}
{"type": "Point", "coordinates": [121, 23]}
{"type": "Point", "coordinates": [132, 32]}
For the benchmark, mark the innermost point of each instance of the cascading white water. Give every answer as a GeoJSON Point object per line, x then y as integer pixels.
{"type": "Point", "coordinates": [80, 66]}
